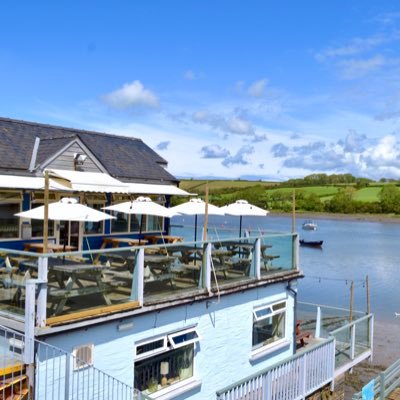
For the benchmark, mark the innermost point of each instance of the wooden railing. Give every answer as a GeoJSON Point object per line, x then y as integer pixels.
{"type": "Point", "coordinates": [294, 378]}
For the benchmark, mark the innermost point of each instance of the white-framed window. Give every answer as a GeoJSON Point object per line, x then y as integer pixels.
{"type": "Point", "coordinates": [37, 200]}
{"type": "Point", "coordinates": [130, 223]}
{"type": "Point", "coordinates": [165, 361]}
{"type": "Point", "coordinates": [83, 356]}
{"type": "Point", "coordinates": [10, 204]}
{"type": "Point", "coordinates": [97, 201]}
{"type": "Point", "coordinates": [268, 324]}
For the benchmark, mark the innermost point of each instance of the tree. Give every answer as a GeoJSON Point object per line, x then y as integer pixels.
{"type": "Point", "coordinates": [390, 199]}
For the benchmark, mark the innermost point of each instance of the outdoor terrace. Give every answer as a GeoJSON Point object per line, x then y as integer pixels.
{"type": "Point", "coordinates": [78, 285]}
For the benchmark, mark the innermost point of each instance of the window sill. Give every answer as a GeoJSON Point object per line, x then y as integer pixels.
{"type": "Point", "coordinates": [172, 392]}
{"type": "Point", "coordinates": [262, 352]}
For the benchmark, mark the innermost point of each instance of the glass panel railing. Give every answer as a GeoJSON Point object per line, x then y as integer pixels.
{"type": "Point", "coordinates": [278, 253]}
{"type": "Point", "coordinates": [232, 260]}
{"type": "Point", "coordinates": [14, 272]}
{"type": "Point", "coordinates": [362, 336]}
{"type": "Point", "coordinates": [172, 270]}
{"type": "Point", "coordinates": [343, 346]}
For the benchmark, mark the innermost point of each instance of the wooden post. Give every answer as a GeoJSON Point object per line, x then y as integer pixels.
{"type": "Point", "coordinates": [46, 212]}
{"type": "Point", "coordinates": [351, 300]}
{"type": "Point", "coordinates": [294, 211]}
{"type": "Point", "coordinates": [368, 298]}
{"type": "Point", "coordinates": [206, 215]}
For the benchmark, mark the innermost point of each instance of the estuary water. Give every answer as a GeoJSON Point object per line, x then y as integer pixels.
{"type": "Point", "coordinates": [351, 251]}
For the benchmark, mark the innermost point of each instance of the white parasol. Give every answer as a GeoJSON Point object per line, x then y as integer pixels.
{"type": "Point", "coordinates": [241, 208]}
{"type": "Point", "coordinates": [67, 209]}
{"type": "Point", "coordinates": [196, 207]}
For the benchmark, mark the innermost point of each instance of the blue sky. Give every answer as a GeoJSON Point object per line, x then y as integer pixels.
{"type": "Point", "coordinates": [234, 89]}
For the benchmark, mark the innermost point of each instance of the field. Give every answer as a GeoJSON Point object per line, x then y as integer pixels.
{"type": "Point", "coordinates": [198, 186]}
{"type": "Point", "coordinates": [368, 194]}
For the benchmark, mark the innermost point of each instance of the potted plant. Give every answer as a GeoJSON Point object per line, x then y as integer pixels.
{"type": "Point", "coordinates": [185, 364]}
{"type": "Point", "coordinates": [152, 385]}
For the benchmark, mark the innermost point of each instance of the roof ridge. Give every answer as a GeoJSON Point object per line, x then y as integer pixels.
{"type": "Point", "coordinates": [20, 121]}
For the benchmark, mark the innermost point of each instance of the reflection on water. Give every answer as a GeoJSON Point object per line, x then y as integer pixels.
{"type": "Point", "coordinates": [351, 251]}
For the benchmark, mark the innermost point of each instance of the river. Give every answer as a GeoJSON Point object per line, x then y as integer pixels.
{"type": "Point", "coordinates": [351, 251]}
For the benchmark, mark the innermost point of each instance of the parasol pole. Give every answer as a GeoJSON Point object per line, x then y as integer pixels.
{"type": "Point", "coordinates": [46, 212]}
{"type": "Point", "coordinates": [205, 215]}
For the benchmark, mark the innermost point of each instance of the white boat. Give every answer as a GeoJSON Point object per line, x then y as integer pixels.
{"type": "Point", "coordinates": [309, 225]}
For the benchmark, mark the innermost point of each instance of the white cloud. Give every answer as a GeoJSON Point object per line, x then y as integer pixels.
{"type": "Point", "coordinates": [257, 88]}
{"type": "Point", "coordinates": [214, 151]}
{"type": "Point", "coordinates": [356, 68]}
{"type": "Point", "coordinates": [355, 46]}
{"type": "Point", "coordinates": [132, 95]}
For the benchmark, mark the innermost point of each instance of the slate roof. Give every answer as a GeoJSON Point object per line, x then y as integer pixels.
{"type": "Point", "coordinates": [123, 157]}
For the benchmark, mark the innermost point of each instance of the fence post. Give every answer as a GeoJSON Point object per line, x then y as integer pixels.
{"type": "Point", "coordinates": [382, 378]}
{"type": "Point", "coordinates": [353, 341]}
{"type": "Point", "coordinates": [41, 315]}
{"type": "Point", "coordinates": [29, 345]}
{"type": "Point", "coordinates": [256, 262]}
{"type": "Point", "coordinates": [138, 277]}
{"type": "Point", "coordinates": [205, 275]}
{"type": "Point", "coordinates": [371, 336]}
{"type": "Point", "coordinates": [318, 323]}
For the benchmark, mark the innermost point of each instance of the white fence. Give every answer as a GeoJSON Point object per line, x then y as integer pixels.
{"type": "Point", "coordinates": [57, 375]}
{"type": "Point", "coordinates": [291, 379]}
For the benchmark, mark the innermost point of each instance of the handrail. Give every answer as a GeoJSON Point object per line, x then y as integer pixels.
{"type": "Point", "coordinates": [350, 324]}
{"type": "Point", "coordinates": [329, 307]}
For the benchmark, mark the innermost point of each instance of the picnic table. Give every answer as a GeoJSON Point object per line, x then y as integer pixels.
{"type": "Point", "coordinates": [157, 267]}
{"type": "Point", "coordinates": [51, 247]}
{"type": "Point", "coordinates": [154, 239]}
{"type": "Point", "coordinates": [116, 242]}
{"type": "Point", "coordinates": [69, 279]}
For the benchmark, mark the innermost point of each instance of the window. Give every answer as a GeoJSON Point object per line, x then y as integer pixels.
{"type": "Point", "coordinates": [10, 204]}
{"type": "Point", "coordinates": [97, 202]}
{"type": "Point", "coordinates": [83, 356]}
{"type": "Point", "coordinates": [165, 361]}
{"type": "Point", "coordinates": [268, 324]}
{"type": "Point", "coordinates": [37, 199]}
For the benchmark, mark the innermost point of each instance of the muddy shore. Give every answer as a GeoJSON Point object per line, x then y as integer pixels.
{"type": "Point", "coordinates": [384, 218]}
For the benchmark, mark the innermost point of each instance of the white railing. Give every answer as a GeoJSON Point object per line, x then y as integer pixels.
{"type": "Point", "coordinates": [294, 378]}
{"type": "Point", "coordinates": [385, 383]}
{"type": "Point", "coordinates": [58, 375]}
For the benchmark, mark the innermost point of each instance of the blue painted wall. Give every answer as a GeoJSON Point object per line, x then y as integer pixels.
{"type": "Point", "coordinates": [222, 355]}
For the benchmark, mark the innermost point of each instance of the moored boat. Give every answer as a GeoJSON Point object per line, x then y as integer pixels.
{"type": "Point", "coordinates": [311, 243]}
{"type": "Point", "coordinates": [309, 225]}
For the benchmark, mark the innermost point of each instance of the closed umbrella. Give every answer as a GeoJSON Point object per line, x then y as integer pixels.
{"type": "Point", "coordinates": [241, 208]}
{"type": "Point", "coordinates": [196, 207]}
{"type": "Point", "coordinates": [142, 206]}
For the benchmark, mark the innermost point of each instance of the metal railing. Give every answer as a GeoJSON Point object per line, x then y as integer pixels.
{"type": "Point", "coordinates": [385, 383]}
{"type": "Point", "coordinates": [56, 375]}
{"type": "Point", "coordinates": [294, 378]}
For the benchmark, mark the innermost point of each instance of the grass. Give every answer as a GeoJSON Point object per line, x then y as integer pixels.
{"type": "Point", "coordinates": [198, 186]}
{"type": "Point", "coordinates": [368, 194]}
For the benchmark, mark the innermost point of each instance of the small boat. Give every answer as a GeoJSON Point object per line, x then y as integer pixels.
{"type": "Point", "coordinates": [309, 225]}
{"type": "Point", "coordinates": [311, 243]}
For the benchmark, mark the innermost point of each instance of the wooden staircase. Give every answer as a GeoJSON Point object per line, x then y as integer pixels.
{"type": "Point", "coordinates": [14, 383]}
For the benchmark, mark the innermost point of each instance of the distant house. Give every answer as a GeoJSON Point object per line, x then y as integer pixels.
{"type": "Point", "coordinates": [28, 148]}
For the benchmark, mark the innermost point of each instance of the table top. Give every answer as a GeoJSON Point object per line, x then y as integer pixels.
{"type": "Point", "coordinates": [50, 247]}
{"type": "Point", "coordinates": [154, 258]}
{"type": "Point", "coordinates": [77, 267]}
{"type": "Point", "coordinates": [119, 240]}
{"type": "Point", "coordinates": [165, 238]}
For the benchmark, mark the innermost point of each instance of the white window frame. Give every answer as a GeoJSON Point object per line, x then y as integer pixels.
{"type": "Point", "coordinates": [154, 352]}
{"type": "Point", "coordinates": [171, 338]}
{"type": "Point", "coordinates": [185, 384]}
{"type": "Point", "coordinates": [18, 199]}
{"type": "Point", "coordinates": [276, 343]}
{"type": "Point", "coordinates": [90, 200]}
